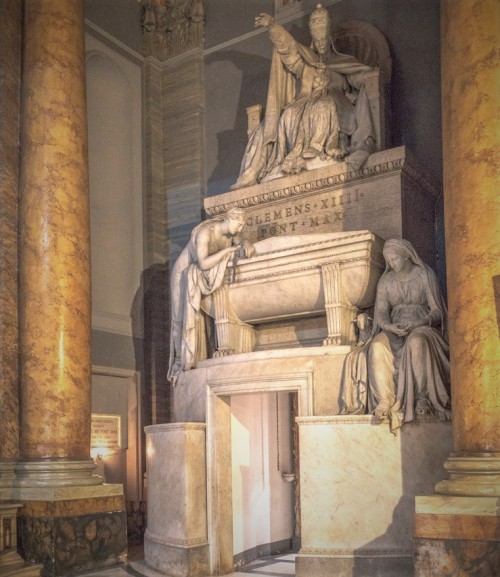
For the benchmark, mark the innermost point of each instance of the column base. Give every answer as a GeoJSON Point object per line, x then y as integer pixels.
{"type": "Point", "coordinates": [7, 473]}
{"type": "Point", "coordinates": [472, 475]}
{"type": "Point", "coordinates": [56, 473]}
{"type": "Point", "coordinates": [456, 535]}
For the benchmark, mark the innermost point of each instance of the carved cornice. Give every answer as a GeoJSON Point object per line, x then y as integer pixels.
{"type": "Point", "coordinates": [172, 28]}
{"type": "Point", "coordinates": [371, 171]}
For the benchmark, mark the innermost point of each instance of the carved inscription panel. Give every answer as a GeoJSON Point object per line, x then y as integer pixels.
{"type": "Point", "coordinates": [319, 213]}
{"type": "Point", "coordinates": [389, 196]}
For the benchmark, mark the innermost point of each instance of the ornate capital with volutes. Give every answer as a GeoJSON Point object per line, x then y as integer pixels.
{"type": "Point", "coordinates": [171, 28]}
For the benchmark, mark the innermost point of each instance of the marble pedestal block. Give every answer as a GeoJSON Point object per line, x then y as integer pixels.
{"type": "Point", "coordinates": [456, 536]}
{"type": "Point", "coordinates": [176, 541]}
{"type": "Point", "coordinates": [358, 483]}
{"type": "Point", "coordinates": [71, 529]}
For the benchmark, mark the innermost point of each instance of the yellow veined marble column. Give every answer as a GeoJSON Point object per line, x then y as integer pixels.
{"type": "Point", "coordinates": [54, 476]}
{"type": "Point", "coordinates": [456, 531]}
{"type": "Point", "coordinates": [470, 88]}
{"type": "Point", "coordinates": [54, 241]}
{"type": "Point", "coordinates": [10, 91]}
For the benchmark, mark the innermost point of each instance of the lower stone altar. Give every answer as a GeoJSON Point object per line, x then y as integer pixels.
{"type": "Point", "coordinates": [357, 481]}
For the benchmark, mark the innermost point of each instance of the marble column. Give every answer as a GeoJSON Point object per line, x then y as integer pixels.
{"type": "Point", "coordinates": [457, 531]}
{"type": "Point", "coordinates": [54, 238]}
{"type": "Point", "coordinates": [10, 95]}
{"type": "Point", "coordinates": [68, 520]}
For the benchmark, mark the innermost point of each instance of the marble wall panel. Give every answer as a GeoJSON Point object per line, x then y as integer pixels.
{"type": "Point", "coordinates": [183, 118]}
{"type": "Point", "coordinates": [357, 498]}
{"type": "Point", "coordinates": [176, 541]}
{"type": "Point", "coordinates": [156, 303]}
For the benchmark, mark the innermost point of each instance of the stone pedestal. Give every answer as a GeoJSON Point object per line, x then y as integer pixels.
{"type": "Point", "coordinates": [71, 529]}
{"type": "Point", "coordinates": [456, 535]}
{"type": "Point", "coordinates": [358, 483]}
{"type": "Point", "coordinates": [176, 541]}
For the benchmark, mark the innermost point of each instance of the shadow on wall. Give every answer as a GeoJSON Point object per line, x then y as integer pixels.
{"type": "Point", "coordinates": [150, 321]}
{"type": "Point", "coordinates": [152, 305]}
{"type": "Point", "coordinates": [231, 143]}
{"type": "Point", "coordinates": [254, 73]}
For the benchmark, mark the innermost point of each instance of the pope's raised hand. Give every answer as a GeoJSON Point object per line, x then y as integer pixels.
{"type": "Point", "coordinates": [264, 20]}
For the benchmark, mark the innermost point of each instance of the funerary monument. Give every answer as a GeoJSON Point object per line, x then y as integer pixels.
{"type": "Point", "coordinates": [309, 349]}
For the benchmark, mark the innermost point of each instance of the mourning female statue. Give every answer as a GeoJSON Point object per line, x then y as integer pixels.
{"type": "Point", "coordinates": [199, 271]}
{"type": "Point", "coordinates": [316, 105]}
{"type": "Point", "coordinates": [407, 369]}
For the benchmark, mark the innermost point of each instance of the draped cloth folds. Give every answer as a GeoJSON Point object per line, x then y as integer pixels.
{"type": "Point", "coordinates": [293, 68]}
{"type": "Point", "coordinates": [188, 285]}
{"type": "Point", "coordinates": [402, 375]}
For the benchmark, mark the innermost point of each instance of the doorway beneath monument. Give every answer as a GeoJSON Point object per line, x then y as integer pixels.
{"type": "Point", "coordinates": [264, 467]}
{"type": "Point", "coordinates": [253, 469]}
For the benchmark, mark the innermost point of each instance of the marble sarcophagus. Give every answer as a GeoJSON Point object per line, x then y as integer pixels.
{"type": "Point", "coordinates": [326, 278]}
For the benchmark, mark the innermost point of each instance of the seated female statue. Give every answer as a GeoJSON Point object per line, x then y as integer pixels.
{"type": "Point", "coordinates": [408, 370]}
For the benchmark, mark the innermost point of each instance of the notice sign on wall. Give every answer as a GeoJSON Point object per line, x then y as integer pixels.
{"type": "Point", "coordinates": [105, 431]}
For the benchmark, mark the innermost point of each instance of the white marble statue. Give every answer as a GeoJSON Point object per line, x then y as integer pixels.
{"type": "Point", "coordinates": [199, 271]}
{"type": "Point", "coordinates": [403, 369]}
{"type": "Point", "coordinates": [317, 106]}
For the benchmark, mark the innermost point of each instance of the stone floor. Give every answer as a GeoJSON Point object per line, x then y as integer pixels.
{"type": "Point", "coordinates": [277, 566]}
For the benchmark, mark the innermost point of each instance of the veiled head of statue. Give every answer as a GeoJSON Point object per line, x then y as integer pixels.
{"type": "Point", "coordinates": [401, 248]}
{"type": "Point", "coordinates": [237, 214]}
{"type": "Point", "coordinates": [319, 25]}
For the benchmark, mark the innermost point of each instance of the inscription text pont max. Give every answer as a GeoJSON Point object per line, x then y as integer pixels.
{"type": "Point", "coordinates": [303, 216]}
